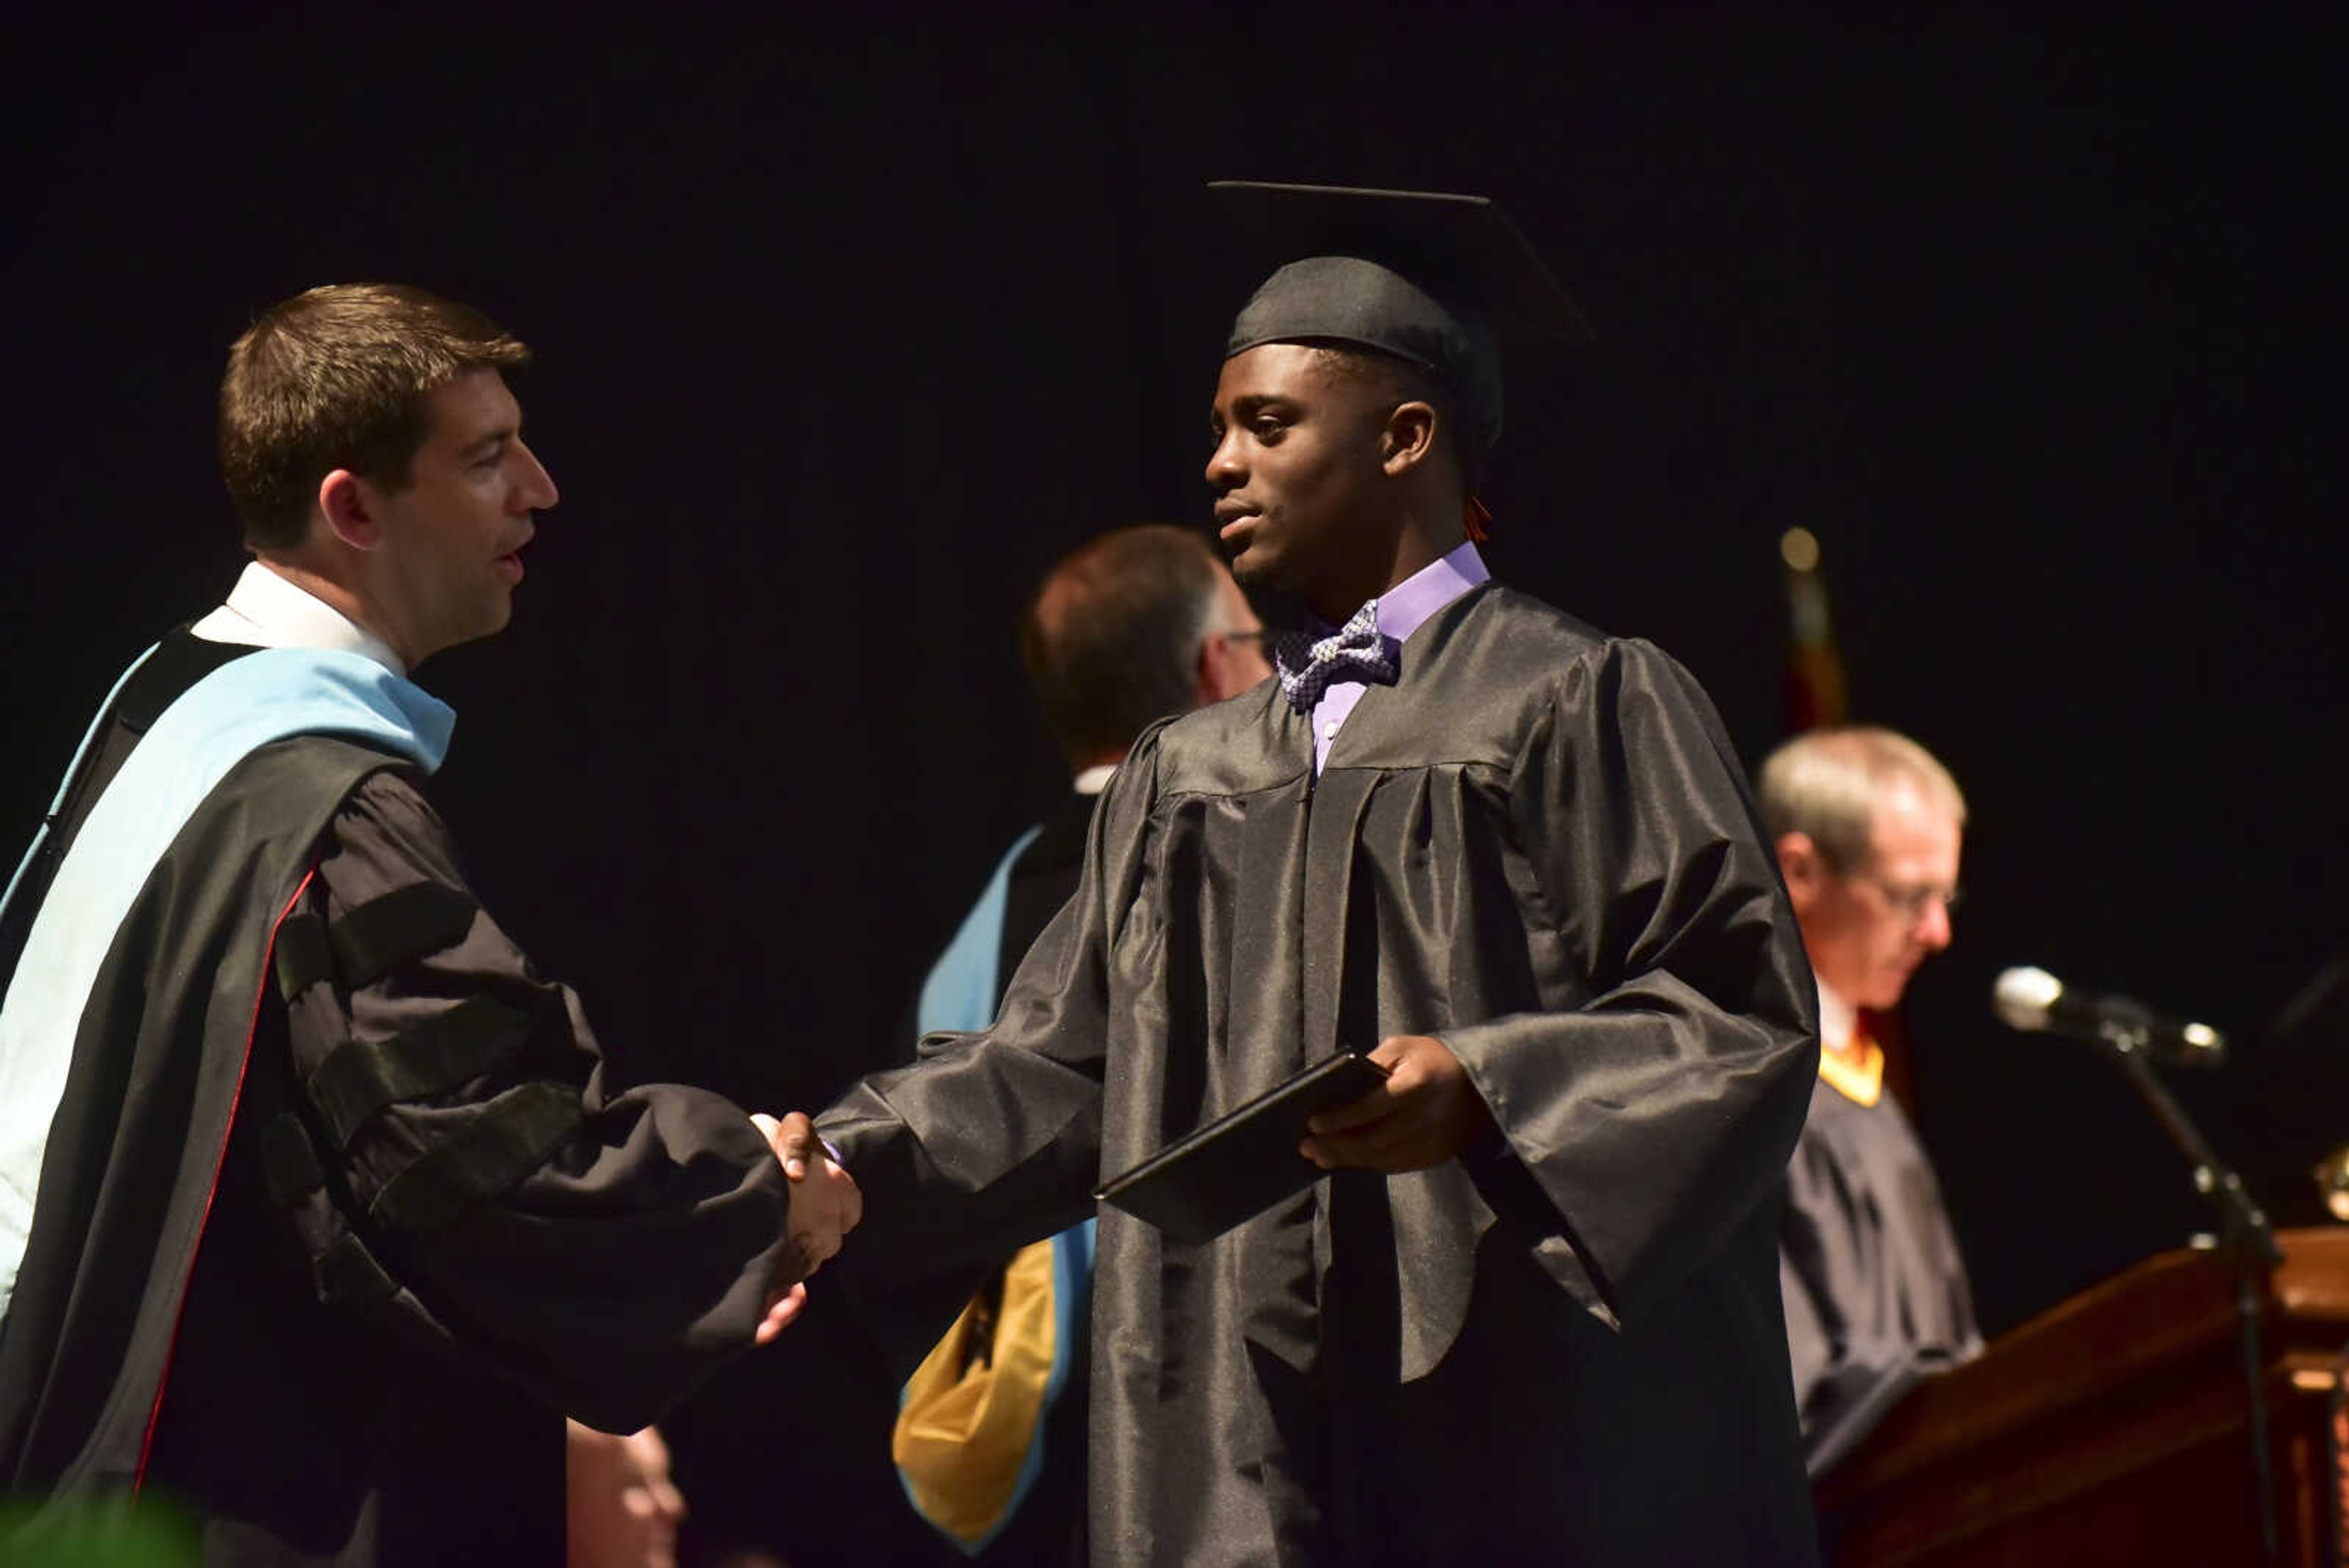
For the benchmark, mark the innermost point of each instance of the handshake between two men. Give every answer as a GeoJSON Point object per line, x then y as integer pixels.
{"type": "Point", "coordinates": [1426, 1111]}
{"type": "Point", "coordinates": [825, 1207]}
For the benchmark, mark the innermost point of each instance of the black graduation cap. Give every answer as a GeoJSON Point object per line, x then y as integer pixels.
{"type": "Point", "coordinates": [1433, 279]}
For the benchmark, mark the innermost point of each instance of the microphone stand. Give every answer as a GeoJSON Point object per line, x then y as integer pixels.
{"type": "Point", "coordinates": [2245, 1241]}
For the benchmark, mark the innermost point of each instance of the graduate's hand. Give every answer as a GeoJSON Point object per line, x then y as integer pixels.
{"type": "Point", "coordinates": [1424, 1114]}
{"type": "Point", "coordinates": [792, 1139]}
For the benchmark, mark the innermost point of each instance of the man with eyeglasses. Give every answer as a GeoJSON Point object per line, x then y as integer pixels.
{"type": "Point", "coordinates": [1867, 827]}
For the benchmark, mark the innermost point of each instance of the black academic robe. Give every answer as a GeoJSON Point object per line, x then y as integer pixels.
{"type": "Point", "coordinates": [1566, 1346]}
{"type": "Point", "coordinates": [1875, 1287]}
{"type": "Point", "coordinates": [1049, 1527]}
{"type": "Point", "coordinates": [1043, 879]}
{"type": "Point", "coordinates": [323, 1277]}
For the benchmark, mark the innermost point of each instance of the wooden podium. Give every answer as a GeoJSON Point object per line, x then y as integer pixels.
{"type": "Point", "coordinates": [2112, 1428]}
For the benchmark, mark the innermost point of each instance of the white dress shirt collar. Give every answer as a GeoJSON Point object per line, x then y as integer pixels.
{"type": "Point", "coordinates": [266, 610]}
{"type": "Point", "coordinates": [1839, 1020]}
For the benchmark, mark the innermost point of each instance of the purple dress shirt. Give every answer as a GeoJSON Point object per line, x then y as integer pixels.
{"type": "Point", "coordinates": [1403, 610]}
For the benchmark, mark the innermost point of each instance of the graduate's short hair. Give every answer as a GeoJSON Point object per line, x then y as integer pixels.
{"type": "Point", "coordinates": [1827, 783]}
{"type": "Point", "coordinates": [1111, 638]}
{"type": "Point", "coordinates": [1404, 382]}
{"type": "Point", "coordinates": [336, 378]}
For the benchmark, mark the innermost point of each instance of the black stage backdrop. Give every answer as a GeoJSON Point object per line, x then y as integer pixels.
{"type": "Point", "coordinates": [847, 328]}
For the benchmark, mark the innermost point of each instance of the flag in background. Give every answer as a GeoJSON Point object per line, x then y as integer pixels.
{"type": "Point", "coordinates": [1817, 695]}
{"type": "Point", "coordinates": [1816, 691]}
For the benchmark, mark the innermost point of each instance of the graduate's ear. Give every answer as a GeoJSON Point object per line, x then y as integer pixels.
{"type": "Point", "coordinates": [1804, 868]}
{"type": "Point", "coordinates": [1408, 437]}
{"type": "Point", "coordinates": [346, 503]}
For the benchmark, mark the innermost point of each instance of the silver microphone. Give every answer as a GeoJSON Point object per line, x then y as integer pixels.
{"type": "Point", "coordinates": [2035, 1001]}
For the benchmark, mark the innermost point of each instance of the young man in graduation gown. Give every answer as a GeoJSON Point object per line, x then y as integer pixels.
{"type": "Point", "coordinates": [318, 1207]}
{"type": "Point", "coordinates": [1868, 827]}
{"type": "Point", "coordinates": [1532, 1313]}
{"type": "Point", "coordinates": [1131, 627]}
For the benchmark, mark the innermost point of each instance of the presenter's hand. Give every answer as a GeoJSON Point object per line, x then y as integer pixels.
{"type": "Point", "coordinates": [1424, 1114]}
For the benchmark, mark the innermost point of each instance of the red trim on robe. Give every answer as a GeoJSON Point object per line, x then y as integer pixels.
{"type": "Point", "coordinates": [155, 1413]}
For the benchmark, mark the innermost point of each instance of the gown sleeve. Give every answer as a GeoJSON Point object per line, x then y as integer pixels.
{"type": "Point", "coordinates": [990, 1141]}
{"type": "Point", "coordinates": [1655, 1112]}
{"type": "Point", "coordinates": [609, 1248]}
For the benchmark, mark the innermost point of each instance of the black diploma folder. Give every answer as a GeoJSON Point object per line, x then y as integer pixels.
{"type": "Point", "coordinates": [1244, 1161]}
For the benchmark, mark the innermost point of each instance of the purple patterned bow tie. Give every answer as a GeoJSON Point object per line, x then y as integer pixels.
{"type": "Point", "coordinates": [1355, 651]}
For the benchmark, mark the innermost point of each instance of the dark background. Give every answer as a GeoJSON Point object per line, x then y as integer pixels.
{"type": "Point", "coordinates": [847, 328]}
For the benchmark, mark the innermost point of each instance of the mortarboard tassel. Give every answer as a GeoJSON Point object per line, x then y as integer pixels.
{"type": "Point", "coordinates": [1478, 522]}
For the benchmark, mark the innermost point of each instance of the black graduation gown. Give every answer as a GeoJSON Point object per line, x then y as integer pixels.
{"type": "Point", "coordinates": [1567, 1344]}
{"type": "Point", "coordinates": [1874, 1286]}
{"type": "Point", "coordinates": [225, 1303]}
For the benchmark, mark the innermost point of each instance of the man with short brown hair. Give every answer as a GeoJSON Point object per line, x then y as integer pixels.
{"type": "Point", "coordinates": [338, 377]}
{"type": "Point", "coordinates": [318, 1206]}
{"type": "Point", "coordinates": [1130, 627]}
